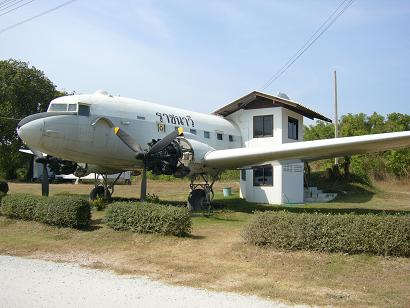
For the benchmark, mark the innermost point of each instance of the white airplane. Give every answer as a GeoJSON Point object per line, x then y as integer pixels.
{"type": "Point", "coordinates": [106, 134]}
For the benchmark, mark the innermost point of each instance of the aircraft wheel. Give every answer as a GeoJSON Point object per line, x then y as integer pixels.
{"type": "Point", "coordinates": [4, 187]}
{"type": "Point", "coordinates": [98, 193]}
{"type": "Point", "coordinates": [197, 200]}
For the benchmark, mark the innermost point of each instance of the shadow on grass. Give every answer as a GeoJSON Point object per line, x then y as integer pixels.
{"type": "Point", "coordinates": [355, 189]}
{"type": "Point", "coordinates": [240, 205]}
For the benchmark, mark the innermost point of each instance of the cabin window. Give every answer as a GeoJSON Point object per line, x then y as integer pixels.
{"type": "Point", "coordinates": [263, 126]}
{"type": "Point", "coordinates": [230, 138]}
{"type": "Point", "coordinates": [192, 131]}
{"type": "Point", "coordinates": [219, 136]}
{"type": "Point", "coordinates": [58, 107]}
{"type": "Point", "coordinates": [72, 107]}
{"type": "Point", "coordinates": [84, 110]}
{"type": "Point", "coordinates": [263, 176]}
{"type": "Point", "coordinates": [293, 132]}
{"type": "Point", "coordinates": [243, 174]}
{"type": "Point", "coordinates": [207, 135]}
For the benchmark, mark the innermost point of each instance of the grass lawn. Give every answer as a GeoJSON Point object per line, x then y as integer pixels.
{"type": "Point", "coordinates": [215, 257]}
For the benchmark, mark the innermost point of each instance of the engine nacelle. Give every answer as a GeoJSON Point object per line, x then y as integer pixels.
{"type": "Point", "coordinates": [193, 153]}
{"type": "Point", "coordinates": [180, 158]}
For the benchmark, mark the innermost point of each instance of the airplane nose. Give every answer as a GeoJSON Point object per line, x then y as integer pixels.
{"type": "Point", "coordinates": [31, 132]}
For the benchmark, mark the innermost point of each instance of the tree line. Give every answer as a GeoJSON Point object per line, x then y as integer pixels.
{"type": "Point", "coordinates": [377, 165]}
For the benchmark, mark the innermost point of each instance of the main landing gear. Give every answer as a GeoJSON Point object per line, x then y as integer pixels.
{"type": "Point", "coordinates": [103, 189]}
{"type": "Point", "coordinates": [201, 194]}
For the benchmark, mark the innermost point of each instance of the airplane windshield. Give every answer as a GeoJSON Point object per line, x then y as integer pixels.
{"type": "Point", "coordinates": [58, 107]}
{"type": "Point", "coordinates": [62, 107]}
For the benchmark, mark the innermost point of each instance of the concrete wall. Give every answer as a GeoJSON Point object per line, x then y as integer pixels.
{"type": "Point", "coordinates": [287, 175]}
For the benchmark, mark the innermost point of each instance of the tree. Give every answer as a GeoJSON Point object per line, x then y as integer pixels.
{"type": "Point", "coordinates": [24, 90]}
{"type": "Point", "coordinates": [396, 162]}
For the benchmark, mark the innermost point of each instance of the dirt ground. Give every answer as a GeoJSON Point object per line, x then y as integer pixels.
{"type": "Point", "coordinates": [216, 258]}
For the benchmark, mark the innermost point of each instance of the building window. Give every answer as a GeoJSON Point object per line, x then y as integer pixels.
{"type": "Point", "coordinates": [192, 131]}
{"type": "Point", "coordinates": [83, 110]}
{"type": "Point", "coordinates": [230, 138]}
{"type": "Point", "coordinates": [219, 136]}
{"type": "Point", "coordinates": [243, 174]}
{"type": "Point", "coordinates": [263, 176]}
{"type": "Point", "coordinates": [293, 132]}
{"type": "Point", "coordinates": [207, 135]}
{"type": "Point", "coordinates": [263, 126]}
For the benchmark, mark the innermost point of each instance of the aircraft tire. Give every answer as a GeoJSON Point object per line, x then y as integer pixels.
{"type": "Point", "coordinates": [98, 192]}
{"type": "Point", "coordinates": [4, 187]}
{"type": "Point", "coordinates": [197, 200]}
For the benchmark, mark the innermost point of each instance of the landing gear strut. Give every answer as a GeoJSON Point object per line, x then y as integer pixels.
{"type": "Point", "coordinates": [201, 194]}
{"type": "Point", "coordinates": [103, 190]}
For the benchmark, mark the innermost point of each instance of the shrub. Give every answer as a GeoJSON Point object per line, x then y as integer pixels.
{"type": "Point", "coordinates": [70, 212]}
{"type": "Point", "coordinates": [377, 234]}
{"type": "Point", "coordinates": [149, 218]}
{"type": "Point", "coordinates": [98, 203]}
{"type": "Point", "coordinates": [58, 211]}
{"type": "Point", "coordinates": [20, 206]}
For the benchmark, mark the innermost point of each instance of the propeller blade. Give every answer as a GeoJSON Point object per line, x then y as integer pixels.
{"type": "Point", "coordinates": [143, 184]}
{"type": "Point", "coordinates": [44, 182]}
{"type": "Point", "coordinates": [164, 142]}
{"type": "Point", "coordinates": [128, 140]}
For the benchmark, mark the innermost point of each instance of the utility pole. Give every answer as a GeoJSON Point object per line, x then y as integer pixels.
{"type": "Point", "coordinates": [336, 116]}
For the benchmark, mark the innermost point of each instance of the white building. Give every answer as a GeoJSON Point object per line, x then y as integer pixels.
{"type": "Point", "coordinates": [265, 120]}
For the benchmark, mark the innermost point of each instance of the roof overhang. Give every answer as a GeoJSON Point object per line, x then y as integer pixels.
{"type": "Point", "coordinates": [257, 100]}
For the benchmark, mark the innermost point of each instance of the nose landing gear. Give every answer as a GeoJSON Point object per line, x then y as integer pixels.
{"type": "Point", "coordinates": [103, 189]}
{"type": "Point", "coordinates": [202, 194]}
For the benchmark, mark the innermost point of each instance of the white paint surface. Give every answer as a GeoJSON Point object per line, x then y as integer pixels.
{"type": "Point", "coordinates": [36, 283]}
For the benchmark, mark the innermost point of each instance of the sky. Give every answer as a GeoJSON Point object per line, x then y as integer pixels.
{"type": "Point", "coordinates": [201, 55]}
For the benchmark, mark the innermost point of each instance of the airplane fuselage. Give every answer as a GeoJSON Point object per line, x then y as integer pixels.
{"type": "Point", "coordinates": [80, 128]}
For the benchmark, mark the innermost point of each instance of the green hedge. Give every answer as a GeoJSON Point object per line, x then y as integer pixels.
{"type": "Point", "coordinates": [148, 218]}
{"type": "Point", "coordinates": [376, 234]}
{"type": "Point", "coordinates": [58, 210]}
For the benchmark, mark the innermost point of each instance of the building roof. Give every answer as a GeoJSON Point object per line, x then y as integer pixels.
{"type": "Point", "coordinates": [256, 100]}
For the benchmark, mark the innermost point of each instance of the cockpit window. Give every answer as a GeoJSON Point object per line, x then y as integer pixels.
{"type": "Point", "coordinates": [84, 110]}
{"type": "Point", "coordinates": [72, 107]}
{"type": "Point", "coordinates": [58, 107]}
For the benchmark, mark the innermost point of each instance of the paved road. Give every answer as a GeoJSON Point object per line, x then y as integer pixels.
{"type": "Point", "coordinates": [36, 283]}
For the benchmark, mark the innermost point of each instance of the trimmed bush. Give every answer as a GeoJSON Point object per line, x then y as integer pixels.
{"type": "Point", "coordinates": [148, 218]}
{"type": "Point", "coordinates": [20, 206]}
{"type": "Point", "coordinates": [376, 234]}
{"type": "Point", "coordinates": [57, 211]}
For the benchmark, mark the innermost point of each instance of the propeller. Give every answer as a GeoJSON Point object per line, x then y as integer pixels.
{"type": "Point", "coordinates": [145, 155]}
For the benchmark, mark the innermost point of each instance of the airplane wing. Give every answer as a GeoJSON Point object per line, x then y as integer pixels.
{"type": "Point", "coordinates": [306, 150]}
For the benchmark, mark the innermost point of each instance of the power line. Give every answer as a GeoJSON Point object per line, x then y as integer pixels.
{"type": "Point", "coordinates": [7, 2]}
{"type": "Point", "coordinates": [13, 9]}
{"type": "Point", "coordinates": [313, 38]}
{"type": "Point", "coordinates": [306, 43]}
{"type": "Point", "coordinates": [8, 5]}
{"type": "Point", "coordinates": [36, 16]}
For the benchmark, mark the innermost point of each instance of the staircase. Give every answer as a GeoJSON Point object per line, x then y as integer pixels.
{"type": "Point", "coordinates": [314, 195]}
